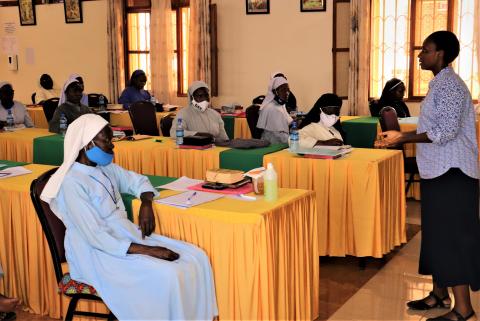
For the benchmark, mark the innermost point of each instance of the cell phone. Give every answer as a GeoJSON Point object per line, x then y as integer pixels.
{"type": "Point", "coordinates": [215, 186]}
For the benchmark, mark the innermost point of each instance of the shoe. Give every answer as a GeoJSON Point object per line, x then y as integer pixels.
{"type": "Point", "coordinates": [458, 315]}
{"type": "Point", "coordinates": [7, 316]}
{"type": "Point", "coordinates": [422, 305]}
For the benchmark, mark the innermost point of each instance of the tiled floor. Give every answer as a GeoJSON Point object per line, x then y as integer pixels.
{"type": "Point", "coordinates": [377, 292]}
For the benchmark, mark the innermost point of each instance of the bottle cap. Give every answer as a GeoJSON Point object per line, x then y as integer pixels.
{"type": "Point", "coordinates": [269, 166]}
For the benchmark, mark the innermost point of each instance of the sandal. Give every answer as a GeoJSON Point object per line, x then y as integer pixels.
{"type": "Point", "coordinates": [458, 315]}
{"type": "Point", "coordinates": [7, 316]}
{"type": "Point", "coordinates": [422, 305]}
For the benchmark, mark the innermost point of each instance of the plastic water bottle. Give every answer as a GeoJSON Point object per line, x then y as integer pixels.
{"type": "Point", "coordinates": [179, 133]}
{"type": "Point", "coordinates": [63, 124]}
{"type": "Point", "coordinates": [10, 119]}
{"type": "Point", "coordinates": [153, 101]}
{"type": "Point", "coordinates": [294, 139]}
{"type": "Point", "coordinates": [270, 184]}
{"type": "Point", "coordinates": [101, 102]}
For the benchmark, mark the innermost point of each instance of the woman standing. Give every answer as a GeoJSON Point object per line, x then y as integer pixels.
{"type": "Point", "coordinates": [447, 157]}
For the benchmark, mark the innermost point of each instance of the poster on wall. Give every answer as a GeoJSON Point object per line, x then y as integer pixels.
{"type": "Point", "coordinates": [258, 6]}
{"type": "Point", "coordinates": [73, 11]}
{"type": "Point", "coordinates": [313, 5]}
{"type": "Point", "coordinates": [26, 9]}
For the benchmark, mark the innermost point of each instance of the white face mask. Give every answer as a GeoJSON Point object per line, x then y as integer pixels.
{"type": "Point", "coordinates": [328, 120]}
{"type": "Point", "coordinates": [201, 106]}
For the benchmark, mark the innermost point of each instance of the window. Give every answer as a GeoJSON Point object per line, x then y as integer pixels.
{"type": "Point", "coordinates": [398, 30]}
{"type": "Point", "coordinates": [180, 27]}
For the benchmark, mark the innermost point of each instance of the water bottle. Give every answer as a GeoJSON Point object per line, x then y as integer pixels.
{"type": "Point", "coordinates": [153, 101]}
{"type": "Point", "coordinates": [63, 124]}
{"type": "Point", "coordinates": [10, 119]}
{"type": "Point", "coordinates": [101, 102]}
{"type": "Point", "coordinates": [270, 184]}
{"type": "Point", "coordinates": [179, 132]}
{"type": "Point", "coordinates": [294, 139]}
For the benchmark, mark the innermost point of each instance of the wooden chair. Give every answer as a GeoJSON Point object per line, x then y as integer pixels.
{"type": "Point", "coordinates": [144, 118]}
{"type": "Point", "coordinates": [54, 231]}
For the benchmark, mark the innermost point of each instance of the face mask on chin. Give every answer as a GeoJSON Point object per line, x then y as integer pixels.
{"type": "Point", "coordinates": [201, 106]}
{"type": "Point", "coordinates": [328, 120]}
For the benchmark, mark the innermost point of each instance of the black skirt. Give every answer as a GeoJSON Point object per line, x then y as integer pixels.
{"type": "Point", "coordinates": [450, 249]}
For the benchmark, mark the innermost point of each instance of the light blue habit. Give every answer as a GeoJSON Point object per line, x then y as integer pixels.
{"type": "Point", "coordinates": [98, 235]}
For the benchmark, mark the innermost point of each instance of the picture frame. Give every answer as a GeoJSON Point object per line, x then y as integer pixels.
{"type": "Point", "coordinates": [257, 6]}
{"type": "Point", "coordinates": [26, 10]}
{"type": "Point", "coordinates": [73, 11]}
{"type": "Point", "coordinates": [313, 5]}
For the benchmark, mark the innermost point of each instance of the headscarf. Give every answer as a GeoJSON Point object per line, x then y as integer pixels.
{"type": "Point", "coordinates": [193, 87]}
{"type": "Point", "coordinates": [80, 132]}
{"type": "Point", "coordinates": [313, 116]}
{"type": "Point", "coordinates": [135, 74]}
{"type": "Point", "coordinates": [390, 85]}
{"type": "Point", "coordinates": [63, 95]}
{"type": "Point", "coordinates": [4, 83]}
{"type": "Point", "coordinates": [274, 84]}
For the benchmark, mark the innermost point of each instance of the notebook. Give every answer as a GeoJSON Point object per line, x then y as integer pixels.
{"type": "Point", "coordinates": [322, 153]}
{"type": "Point", "coordinates": [189, 199]}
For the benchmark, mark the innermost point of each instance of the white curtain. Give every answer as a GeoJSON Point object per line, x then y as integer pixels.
{"type": "Point", "coordinates": [359, 61]}
{"type": "Point", "coordinates": [161, 52]}
{"type": "Point", "coordinates": [199, 59]}
{"type": "Point", "coordinates": [116, 54]}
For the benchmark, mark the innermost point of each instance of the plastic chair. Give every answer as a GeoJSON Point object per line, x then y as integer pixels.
{"type": "Point", "coordinates": [166, 124]}
{"type": "Point", "coordinates": [251, 113]}
{"type": "Point", "coordinates": [389, 121]}
{"type": "Point", "coordinates": [143, 118]}
{"type": "Point", "coordinates": [49, 107]}
{"type": "Point", "coordinates": [54, 231]}
{"type": "Point", "coordinates": [33, 98]}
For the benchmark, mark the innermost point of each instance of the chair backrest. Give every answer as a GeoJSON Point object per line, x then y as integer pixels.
{"type": "Point", "coordinates": [388, 119]}
{"type": "Point", "coordinates": [52, 226]}
{"type": "Point", "coordinates": [144, 119]}
{"type": "Point", "coordinates": [49, 107]}
{"type": "Point", "coordinates": [374, 108]}
{"type": "Point", "coordinates": [93, 100]}
{"type": "Point", "coordinates": [33, 98]}
{"type": "Point", "coordinates": [252, 113]}
{"type": "Point", "coordinates": [166, 123]}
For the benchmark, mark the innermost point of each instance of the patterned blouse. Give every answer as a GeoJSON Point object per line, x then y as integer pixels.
{"type": "Point", "coordinates": [447, 116]}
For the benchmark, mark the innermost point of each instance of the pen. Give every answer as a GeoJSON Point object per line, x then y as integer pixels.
{"type": "Point", "coordinates": [190, 197]}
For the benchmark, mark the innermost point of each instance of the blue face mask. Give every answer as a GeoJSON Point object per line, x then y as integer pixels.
{"type": "Point", "coordinates": [97, 155]}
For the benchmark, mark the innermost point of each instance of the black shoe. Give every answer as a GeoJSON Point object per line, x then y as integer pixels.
{"type": "Point", "coordinates": [422, 305]}
{"type": "Point", "coordinates": [458, 315]}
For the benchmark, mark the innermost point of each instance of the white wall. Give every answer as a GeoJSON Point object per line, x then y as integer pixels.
{"type": "Point", "coordinates": [251, 47]}
{"type": "Point", "coordinates": [59, 48]}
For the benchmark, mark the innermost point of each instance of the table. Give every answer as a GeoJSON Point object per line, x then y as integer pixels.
{"type": "Point", "coordinates": [122, 118]}
{"type": "Point", "coordinates": [361, 131]}
{"type": "Point", "coordinates": [241, 129]}
{"type": "Point", "coordinates": [264, 255]}
{"type": "Point", "coordinates": [247, 159]}
{"type": "Point", "coordinates": [38, 116]}
{"type": "Point", "coordinates": [18, 145]}
{"type": "Point", "coordinates": [259, 283]}
{"type": "Point", "coordinates": [360, 198]}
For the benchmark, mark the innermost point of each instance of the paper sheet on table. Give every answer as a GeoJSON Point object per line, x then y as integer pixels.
{"type": "Point", "coordinates": [182, 184]}
{"type": "Point", "coordinates": [189, 199]}
{"type": "Point", "coordinates": [408, 120]}
{"type": "Point", "coordinates": [14, 171]}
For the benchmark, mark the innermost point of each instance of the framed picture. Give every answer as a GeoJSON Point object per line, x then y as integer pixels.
{"type": "Point", "coordinates": [73, 11]}
{"type": "Point", "coordinates": [257, 6]}
{"type": "Point", "coordinates": [313, 5]}
{"type": "Point", "coordinates": [26, 8]}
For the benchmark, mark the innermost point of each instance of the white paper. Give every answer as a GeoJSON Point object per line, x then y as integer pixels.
{"type": "Point", "coordinates": [343, 147]}
{"type": "Point", "coordinates": [14, 171]}
{"type": "Point", "coordinates": [182, 184]}
{"type": "Point", "coordinates": [408, 120]}
{"type": "Point", "coordinates": [3, 165]}
{"type": "Point", "coordinates": [9, 45]}
{"type": "Point", "coordinates": [189, 199]}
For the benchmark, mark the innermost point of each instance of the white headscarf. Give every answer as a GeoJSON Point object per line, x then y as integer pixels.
{"type": "Point", "coordinates": [79, 133]}
{"type": "Point", "coordinates": [274, 84]}
{"type": "Point", "coordinates": [194, 86]}
{"type": "Point", "coordinates": [3, 83]}
{"type": "Point", "coordinates": [277, 118]}
{"type": "Point", "coordinates": [63, 95]}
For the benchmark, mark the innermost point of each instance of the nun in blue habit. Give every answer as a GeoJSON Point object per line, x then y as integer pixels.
{"type": "Point", "coordinates": [138, 274]}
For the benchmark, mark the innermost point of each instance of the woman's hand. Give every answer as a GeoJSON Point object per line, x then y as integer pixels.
{"type": "Point", "coordinates": [390, 138]}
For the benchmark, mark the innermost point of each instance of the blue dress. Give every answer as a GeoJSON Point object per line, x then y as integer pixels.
{"type": "Point", "coordinates": [98, 235]}
{"type": "Point", "coordinates": [132, 95]}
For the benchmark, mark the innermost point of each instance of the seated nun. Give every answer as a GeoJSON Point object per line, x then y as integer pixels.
{"type": "Point", "coordinates": [134, 91]}
{"type": "Point", "coordinates": [321, 125]}
{"type": "Point", "coordinates": [8, 105]}
{"type": "Point", "coordinates": [72, 108]}
{"type": "Point", "coordinates": [77, 77]}
{"type": "Point", "coordinates": [291, 104]}
{"type": "Point", "coordinates": [274, 118]}
{"type": "Point", "coordinates": [198, 118]}
{"type": "Point", "coordinates": [139, 274]}
{"type": "Point", "coordinates": [46, 90]}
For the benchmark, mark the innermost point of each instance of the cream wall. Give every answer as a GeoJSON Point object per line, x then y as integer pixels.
{"type": "Point", "coordinates": [251, 47]}
{"type": "Point", "coordinates": [59, 48]}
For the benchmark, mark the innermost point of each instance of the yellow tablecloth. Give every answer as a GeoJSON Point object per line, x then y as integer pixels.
{"type": "Point", "coordinates": [263, 255]}
{"type": "Point", "coordinates": [18, 145]}
{"type": "Point", "coordinates": [38, 117]}
{"type": "Point", "coordinates": [360, 198]}
{"type": "Point", "coordinates": [241, 128]}
{"type": "Point", "coordinates": [123, 119]}
{"type": "Point", "coordinates": [164, 159]}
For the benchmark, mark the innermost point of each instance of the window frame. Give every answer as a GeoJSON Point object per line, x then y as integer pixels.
{"type": "Point", "coordinates": [181, 92]}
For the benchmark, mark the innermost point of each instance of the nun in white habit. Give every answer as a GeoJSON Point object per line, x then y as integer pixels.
{"type": "Point", "coordinates": [274, 118]}
{"type": "Point", "coordinates": [63, 96]}
{"type": "Point", "coordinates": [138, 274]}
